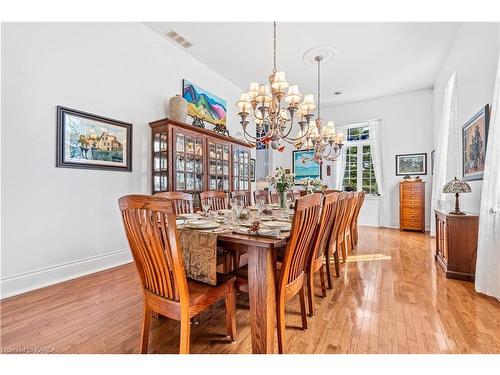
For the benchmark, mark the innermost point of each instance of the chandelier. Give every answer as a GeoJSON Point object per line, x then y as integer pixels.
{"type": "Point", "coordinates": [274, 111]}
{"type": "Point", "coordinates": [322, 139]}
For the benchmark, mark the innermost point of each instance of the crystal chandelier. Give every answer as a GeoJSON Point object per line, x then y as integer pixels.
{"type": "Point", "coordinates": [274, 110]}
{"type": "Point", "coordinates": [326, 143]}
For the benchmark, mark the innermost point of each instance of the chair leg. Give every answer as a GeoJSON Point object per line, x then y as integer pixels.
{"type": "Point", "coordinates": [185, 334]}
{"type": "Point", "coordinates": [146, 323]}
{"type": "Point", "coordinates": [231, 312]}
{"type": "Point", "coordinates": [343, 248]}
{"type": "Point", "coordinates": [310, 292]}
{"type": "Point", "coordinates": [323, 284]}
{"type": "Point", "coordinates": [328, 269]}
{"type": "Point", "coordinates": [303, 311]}
{"type": "Point", "coordinates": [280, 322]}
{"type": "Point", "coordinates": [336, 261]}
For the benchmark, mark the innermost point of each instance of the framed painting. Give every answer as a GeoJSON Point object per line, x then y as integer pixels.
{"type": "Point", "coordinates": [433, 155]}
{"type": "Point", "coordinates": [303, 168]}
{"type": "Point", "coordinates": [89, 141]}
{"type": "Point", "coordinates": [411, 164]}
{"type": "Point", "coordinates": [474, 140]}
{"type": "Point", "coordinates": [203, 104]}
{"type": "Point", "coordinates": [252, 169]}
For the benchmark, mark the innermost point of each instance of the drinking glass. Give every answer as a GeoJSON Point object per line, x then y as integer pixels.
{"type": "Point", "coordinates": [261, 205]}
{"type": "Point", "coordinates": [237, 207]}
{"type": "Point", "coordinates": [206, 208]}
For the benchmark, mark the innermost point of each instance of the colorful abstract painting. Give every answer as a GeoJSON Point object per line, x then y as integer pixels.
{"type": "Point", "coordinates": [304, 167]}
{"type": "Point", "coordinates": [204, 104]}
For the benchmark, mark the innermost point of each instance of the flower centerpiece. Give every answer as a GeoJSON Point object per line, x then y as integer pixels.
{"type": "Point", "coordinates": [281, 181]}
{"type": "Point", "coordinates": [312, 185]}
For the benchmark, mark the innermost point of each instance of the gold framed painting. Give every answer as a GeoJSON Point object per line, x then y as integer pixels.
{"type": "Point", "coordinates": [474, 140]}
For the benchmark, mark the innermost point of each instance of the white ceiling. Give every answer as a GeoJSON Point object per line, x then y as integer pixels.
{"type": "Point", "coordinates": [372, 59]}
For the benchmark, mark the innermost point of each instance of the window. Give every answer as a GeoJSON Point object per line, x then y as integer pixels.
{"type": "Point", "coordinates": [359, 173]}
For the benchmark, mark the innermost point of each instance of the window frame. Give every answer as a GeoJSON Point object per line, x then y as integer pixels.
{"type": "Point", "coordinates": [359, 144]}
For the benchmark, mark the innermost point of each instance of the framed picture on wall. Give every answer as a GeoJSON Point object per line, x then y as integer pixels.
{"type": "Point", "coordinates": [474, 139]}
{"type": "Point", "coordinates": [433, 155]}
{"type": "Point", "coordinates": [411, 164]}
{"type": "Point", "coordinates": [252, 169]}
{"type": "Point", "coordinates": [303, 168]}
{"type": "Point", "coordinates": [89, 141]}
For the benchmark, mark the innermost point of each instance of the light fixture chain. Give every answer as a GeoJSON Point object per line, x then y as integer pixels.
{"type": "Point", "coordinates": [319, 89]}
{"type": "Point", "coordinates": [274, 48]}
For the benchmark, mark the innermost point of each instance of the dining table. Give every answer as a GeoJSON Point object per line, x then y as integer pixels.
{"type": "Point", "coordinates": [261, 252]}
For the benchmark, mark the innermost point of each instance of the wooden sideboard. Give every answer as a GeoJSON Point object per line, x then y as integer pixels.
{"type": "Point", "coordinates": [456, 244]}
{"type": "Point", "coordinates": [412, 205]}
{"type": "Point", "coordinates": [189, 159]}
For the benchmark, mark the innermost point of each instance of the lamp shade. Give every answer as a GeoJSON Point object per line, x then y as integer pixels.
{"type": "Point", "coordinates": [456, 186]}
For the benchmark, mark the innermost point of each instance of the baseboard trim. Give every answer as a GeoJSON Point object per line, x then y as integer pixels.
{"type": "Point", "coordinates": [28, 281]}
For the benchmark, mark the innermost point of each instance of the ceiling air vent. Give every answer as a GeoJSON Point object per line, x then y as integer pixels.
{"type": "Point", "coordinates": [179, 39]}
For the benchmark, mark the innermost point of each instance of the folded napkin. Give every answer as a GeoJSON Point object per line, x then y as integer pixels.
{"type": "Point", "coordinates": [270, 233]}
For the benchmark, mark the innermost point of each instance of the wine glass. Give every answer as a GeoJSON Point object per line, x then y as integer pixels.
{"type": "Point", "coordinates": [261, 205]}
{"type": "Point", "coordinates": [237, 207]}
{"type": "Point", "coordinates": [206, 208]}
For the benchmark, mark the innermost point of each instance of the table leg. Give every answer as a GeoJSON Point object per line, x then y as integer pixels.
{"type": "Point", "coordinates": [262, 294]}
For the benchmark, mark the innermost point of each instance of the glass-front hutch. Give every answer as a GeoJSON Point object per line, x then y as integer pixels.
{"type": "Point", "coordinates": [191, 160]}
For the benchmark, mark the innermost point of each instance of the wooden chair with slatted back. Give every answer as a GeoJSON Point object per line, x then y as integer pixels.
{"type": "Point", "coordinates": [320, 243]}
{"type": "Point", "coordinates": [183, 202]}
{"type": "Point", "coordinates": [341, 237]}
{"type": "Point", "coordinates": [216, 199]}
{"type": "Point", "coordinates": [348, 236]}
{"type": "Point", "coordinates": [354, 225]}
{"type": "Point", "coordinates": [292, 273]}
{"type": "Point", "coordinates": [152, 234]}
{"type": "Point", "coordinates": [242, 195]}
{"type": "Point", "coordinates": [261, 194]}
{"type": "Point", "coordinates": [332, 248]}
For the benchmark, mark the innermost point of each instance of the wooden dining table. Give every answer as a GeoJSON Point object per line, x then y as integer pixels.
{"type": "Point", "coordinates": [261, 283]}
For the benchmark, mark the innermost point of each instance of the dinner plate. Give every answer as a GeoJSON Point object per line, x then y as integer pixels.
{"type": "Point", "coordinates": [180, 221]}
{"type": "Point", "coordinates": [202, 224]}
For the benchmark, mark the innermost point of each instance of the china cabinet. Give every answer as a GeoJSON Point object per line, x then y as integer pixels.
{"type": "Point", "coordinates": [190, 159]}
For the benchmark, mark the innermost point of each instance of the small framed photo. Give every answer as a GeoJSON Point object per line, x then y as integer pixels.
{"type": "Point", "coordinates": [252, 169]}
{"type": "Point", "coordinates": [411, 164]}
{"type": "Point", "coordinates": [474, 139]}
{"type": "Point", "coordinates": [89, 141]}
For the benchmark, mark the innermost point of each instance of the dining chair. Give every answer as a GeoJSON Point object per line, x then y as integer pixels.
{"type": "Point", "coordinates": [341, 238]}
{"type": "Point", "coordinates": [183, 202]}
{"type": "Point", "coordinates": [216, 199]}
{"type": "Point", "coordinates": [152, 234]}
{"type": "Point", "coordinates": [354, 225]}
{"type": "Point", "coordinates": [292, 272]}
{"type": "Point", "coordinates": [322, 238]}
{"type": "Point", "coordinates": [332, 248]}
{"type": "Point", "coordinates": [348, 234]}
{"type": "Point", "coordinates": [261, 194]}
{"type": "Point", "coordinates": [243, 195]}
{"type": "Point", "coordinates": [275, 197]}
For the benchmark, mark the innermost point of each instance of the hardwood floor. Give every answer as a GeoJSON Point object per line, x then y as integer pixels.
{"type": "Point", "coordinates": [399, 305]}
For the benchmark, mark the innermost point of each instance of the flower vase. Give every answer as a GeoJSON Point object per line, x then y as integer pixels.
{"type": "Point", "coordinates": [282, 196]}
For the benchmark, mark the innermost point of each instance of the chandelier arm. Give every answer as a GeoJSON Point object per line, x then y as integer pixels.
{"type": "Point", "coordinates": [291, 140]}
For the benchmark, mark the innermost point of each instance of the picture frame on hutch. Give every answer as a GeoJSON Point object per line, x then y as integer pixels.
{"type": "Point", "coordinates": [89, 141]}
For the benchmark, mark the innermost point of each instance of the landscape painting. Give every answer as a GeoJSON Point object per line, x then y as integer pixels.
{"type": "Point", "coordinates": [304, 167]}
{"type": "Point", "coordinates": [203, 104]}
{"type": "Point", "coordinates": [474, 138]}
{"type": "Point", "coordinates": [411, 164]}
{"type": "Point", "coordinates": [93, 142]}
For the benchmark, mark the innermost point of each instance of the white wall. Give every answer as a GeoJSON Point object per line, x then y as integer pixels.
{"type": "Point", "coordinates": [58, 223]}
{"type": "Point", "coordinates": [473, 57]}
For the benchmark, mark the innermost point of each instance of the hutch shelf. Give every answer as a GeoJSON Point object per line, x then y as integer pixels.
{"type": "Point", "coordinates": [190, 159]}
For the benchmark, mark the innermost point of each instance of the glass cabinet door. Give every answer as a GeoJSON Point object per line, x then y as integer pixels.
{"type": "Point", "coordinates": [160, 161]}
{"type": "Point", "coordinates": [241, 169]}
{"type": "Point", "coordinates": [218, 165]}
{"type": "Point", "coordinates": [188, 163]}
